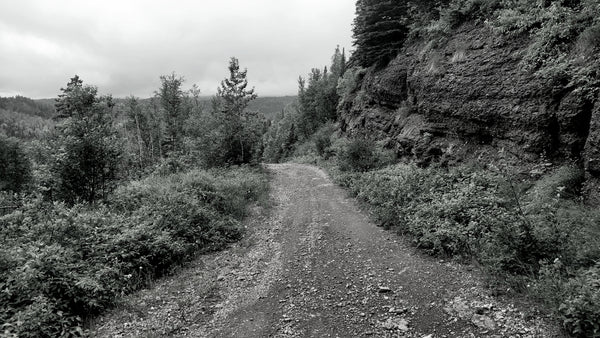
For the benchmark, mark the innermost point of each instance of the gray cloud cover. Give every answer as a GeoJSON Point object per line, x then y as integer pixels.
{"type": "Point", "coordinates": [123, 46]}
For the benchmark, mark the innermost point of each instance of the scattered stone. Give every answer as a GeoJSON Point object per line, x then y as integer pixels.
{"type": "Point", "coordinates": [397, 310]}
{"type": "Point", "coordinates": [483, 322]}
{"type": "Point", "coordinates": [384, 289]}
{"type": "Point", "coordinates": [400, 324]}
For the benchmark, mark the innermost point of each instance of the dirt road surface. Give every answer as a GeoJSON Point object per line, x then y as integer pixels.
{"type": "Point", "coordinates": [315, 266]}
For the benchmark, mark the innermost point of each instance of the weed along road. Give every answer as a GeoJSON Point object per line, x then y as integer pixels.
{"type": "Point", "coordinates": [315, 266]}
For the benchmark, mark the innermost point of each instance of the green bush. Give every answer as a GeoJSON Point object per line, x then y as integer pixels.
{"type": "Point", "coordinates": [581, 308]}
{"type": "Point", "coordinates": [459, 12]}
{"type": "Point", "coordinates": [322, 144]}
{"type": "Point", "coordinates": [59, 264]}
{"type": "Point", "coordinates": [322, 140]}
{"type": "Point", "coordinates": [359, 155]}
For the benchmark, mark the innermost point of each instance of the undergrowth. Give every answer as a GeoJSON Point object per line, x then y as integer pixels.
{"type": "Point", "coordinates": [59, 264]}
{"type": "Point", "coordinates": [541, 240]}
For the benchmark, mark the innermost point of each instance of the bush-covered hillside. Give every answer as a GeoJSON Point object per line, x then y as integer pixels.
{"type": "Point", "coordinates": [112, 194]}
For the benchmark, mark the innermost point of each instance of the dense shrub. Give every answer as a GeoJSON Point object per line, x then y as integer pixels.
{"type": "Point", "coordinates": [322, 139]}
{"type": "Point", "coordinates": [359, 155]}
{"type": "Point", "coordinates": [581, 308]}
{"type": "Point", "coordinates": [362, 155]}
{"type": "Point", "coordinates": [59, 264]}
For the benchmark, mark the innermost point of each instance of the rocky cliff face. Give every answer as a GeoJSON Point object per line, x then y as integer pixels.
{"type": "Point", "coordinates": [471, 98]}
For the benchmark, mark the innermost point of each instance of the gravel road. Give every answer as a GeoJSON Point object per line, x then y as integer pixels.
{"type": "Point", "coordinates": [315, 266]}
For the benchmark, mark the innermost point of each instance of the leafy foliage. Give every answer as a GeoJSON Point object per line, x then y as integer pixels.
{"type": "Point", "coordinates": [145, 131]}
{"type": "Point", "coordinates": [24, 126]}
{"type": "Point", "coordinates": [59, 264]}
{"type": "Point", "coordinates": [358, 155]}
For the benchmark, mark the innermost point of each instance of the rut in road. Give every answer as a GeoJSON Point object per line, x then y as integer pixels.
{"type": "Point", "coordinates": [315, 266]}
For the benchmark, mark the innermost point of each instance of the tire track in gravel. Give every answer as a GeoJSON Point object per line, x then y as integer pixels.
{"type": "Point", "coordinates": [315, 266]}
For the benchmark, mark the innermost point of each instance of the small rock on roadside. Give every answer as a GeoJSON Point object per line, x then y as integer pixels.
{"type": "Point", "coordinates": [483, 322]}
{"type": "Point", "coordinates": [395, 324]}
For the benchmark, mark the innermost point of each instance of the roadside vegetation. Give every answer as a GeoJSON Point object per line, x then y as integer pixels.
{"type": "Point", "coordinates": [112, 195]}
{"type": "Point", "coordinates": [534, 238]}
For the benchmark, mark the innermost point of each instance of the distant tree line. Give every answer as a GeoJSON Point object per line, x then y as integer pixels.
{"type": "Point", "coordinates": [94, 142]}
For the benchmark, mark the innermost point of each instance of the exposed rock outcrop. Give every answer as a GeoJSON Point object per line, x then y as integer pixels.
{"type": "Point", "coordinates": [472, 98]}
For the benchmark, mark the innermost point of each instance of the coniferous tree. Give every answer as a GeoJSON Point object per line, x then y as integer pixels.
{"type": "Point", "coordinates": [172, 102]}
{"type": "Point", "coordinates": [380, 28]}
{"type": "Point", "coordinates": [318, 96]}
{"type": "Point", "coordinates": [15, 167]}
{"type": "Point", "coordinates": [87, 159]}
{"type": "Point", "coordinates": [241, 129]}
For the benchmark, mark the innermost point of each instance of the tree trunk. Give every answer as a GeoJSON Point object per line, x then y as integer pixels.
{"type": "Point", "coordinates": [139, 137]}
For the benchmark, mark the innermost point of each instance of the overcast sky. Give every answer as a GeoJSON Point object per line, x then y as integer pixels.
{"type": "Point", "coordinates": [124, 46]}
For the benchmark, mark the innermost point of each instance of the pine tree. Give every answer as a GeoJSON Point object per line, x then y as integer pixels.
{"type": "Point", "coordinates": [15, 167]}
{"type": "Point", "coordinates": [172, 102]}
{"type": "Point", "coordinates": [379, 30]}
{"type": "Point", "coordinates": [240, 127]}
{"type": "Point", "coordinates": [233, 91]}
{"type": "Point", "coordinates": [87, 159]}
{"type": "Point", "coordinates": [318, 97]}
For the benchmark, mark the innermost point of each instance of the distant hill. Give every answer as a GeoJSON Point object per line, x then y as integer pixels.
{"type": "Point", "coordinates": [24, 118]}
{"type": "Point", "coordinates": [43, 108]}
{"type": "Point", "coordinates": [271, 106]}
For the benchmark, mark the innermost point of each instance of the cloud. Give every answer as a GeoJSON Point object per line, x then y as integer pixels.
{"type": "Point", "coordinates": [124, 46]}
